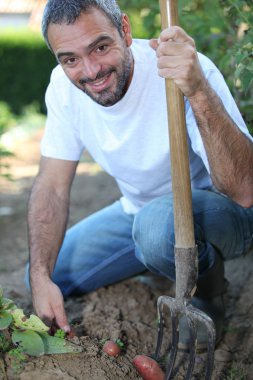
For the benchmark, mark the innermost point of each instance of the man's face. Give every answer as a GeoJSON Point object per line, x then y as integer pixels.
{"type": "Point", "coordinates": [94, 56]}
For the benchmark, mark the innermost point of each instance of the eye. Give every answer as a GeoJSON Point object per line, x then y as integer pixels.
{"type": "Point", "coordinates": [70, 61]}
{"type": "Point", "coordinates": [102, 49]}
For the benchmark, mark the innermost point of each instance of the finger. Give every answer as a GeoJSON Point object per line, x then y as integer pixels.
{"type": "Point", "coordinates": [176, 34]}
{"type": "Point", "coordinates": [61, 318]}
{"type": "Point", "coordinates": [45, 313]}
{"type": "Point", "coordinates": [48, 320]}
{"type": "Point", "coordinates": [153, 43]}
{"type": "Point", "coordinates": [170, 62]}
{"type": "Point", "coordinates": [72, 333]}
{"type": "Point", "coordinates": [171, 48]}
{"type": "Point", "coordinates": [188, 61]}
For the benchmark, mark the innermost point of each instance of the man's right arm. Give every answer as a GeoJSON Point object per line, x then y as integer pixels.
{"type": "Point", "coordinates": [47, 218]}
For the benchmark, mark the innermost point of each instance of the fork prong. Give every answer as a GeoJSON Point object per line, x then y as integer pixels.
{"type": "Point", "coordinates": [174, 343]}
{"type": "Point", "coordinates": [192, 323]}
{"type": "Point", "coordinates": [211, 347]}
{"type": "Point", "coordinates": [160, 303]}
{"type": "Point", "coordinates": [203, 318]}
{"type": "Point", "coordinates": [194, 316]}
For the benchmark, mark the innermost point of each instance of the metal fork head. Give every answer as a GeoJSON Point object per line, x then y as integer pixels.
{"type": "Point", "coordinates": [179, 308]}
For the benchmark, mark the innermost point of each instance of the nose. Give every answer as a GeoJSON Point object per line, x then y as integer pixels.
{"type": "Point", "coordinates": [90, 68]}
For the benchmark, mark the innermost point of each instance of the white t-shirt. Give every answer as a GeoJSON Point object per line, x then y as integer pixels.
{"type": "Point", "coordinates": [129, 139]}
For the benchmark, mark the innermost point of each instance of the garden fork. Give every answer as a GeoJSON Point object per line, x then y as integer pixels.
{"type": "Point", "coordinates": [186, 253]}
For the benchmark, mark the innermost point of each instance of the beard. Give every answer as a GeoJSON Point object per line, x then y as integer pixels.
{"type": "Point", "coordinates": [109, 97]}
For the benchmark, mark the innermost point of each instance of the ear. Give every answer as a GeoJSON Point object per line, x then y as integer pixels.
{"type": "Point", "coordinates": [126, 30]}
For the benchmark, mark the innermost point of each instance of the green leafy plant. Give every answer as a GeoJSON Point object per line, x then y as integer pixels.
{"type": "Point", "coordinates": [60, 334]}
{"type": "Point", "coordinates": [21, 335]}
{"type": "Point", "coordinates": [240, 54]}
{"type": "Point", "coordinates": [18, 359]}
{"type": "Point", "coordinates": [6, 122]}
{"type": "Point", "coordinates": [35, 63]}
{"type": "Point", "coordinates": [236, 372]}
{"type": "Point", "coordinates": [120, 343]}
{"type": "Point", "coordinates": [223, 32]}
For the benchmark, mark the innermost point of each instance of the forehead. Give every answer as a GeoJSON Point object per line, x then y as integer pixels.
{"type": "Point", "coordinates": [86, 28]}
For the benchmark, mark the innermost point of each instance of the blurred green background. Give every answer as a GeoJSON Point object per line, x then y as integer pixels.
{"type": "Point", "coordinates": [222, 29]}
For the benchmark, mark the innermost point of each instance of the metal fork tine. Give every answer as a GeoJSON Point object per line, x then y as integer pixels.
{"type": "Point", "coordinates": [211, 348]}
{"type": "Point", "coordinates": [194, 316]}
{"type": "Point", "coordinates": [193, 344]}
{"type": "Point", "coordinates": [207, 321]}
{"type": "Point", "coordinates": [174, 343]}
{"type": "Point", "coordinates": [160, 326]}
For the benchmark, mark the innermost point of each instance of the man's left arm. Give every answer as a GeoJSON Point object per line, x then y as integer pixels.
{"type": "Point", "coordinates": [229, 150]}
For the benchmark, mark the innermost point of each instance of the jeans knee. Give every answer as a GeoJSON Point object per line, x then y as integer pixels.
{"type": "Point", "coordinates": [27, 277]}
{"type": "Point", "coordinates": [153, 233]}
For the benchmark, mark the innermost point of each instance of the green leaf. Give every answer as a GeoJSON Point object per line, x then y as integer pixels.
{"type": "Point", "coordinates": [5, 320]}
{"type": "Point", "coordinates": [55, 345]}
{"type": "Point", "coordinates": [8, 304]}
{"type": "Point", "coordinates": [246, 80]}
{"type": "Point", "coordinates": [60, 334]}
{"type": "Point", "coordinates": [32, 323]}
{"type": "Point", "coordinates": [29, 341]}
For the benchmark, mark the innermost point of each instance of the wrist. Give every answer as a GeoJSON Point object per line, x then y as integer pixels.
{"type": "Point", "coordinates": [39, 275]}
{"type": "Point", "coordinates": [202, 91]}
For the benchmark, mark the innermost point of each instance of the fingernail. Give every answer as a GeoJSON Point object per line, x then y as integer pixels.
{"type": "Point", "coordinates": [67, 329]}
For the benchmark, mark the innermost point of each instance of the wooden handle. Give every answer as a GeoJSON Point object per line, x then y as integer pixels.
{"type": "Point", "coordinates": [181, 186]}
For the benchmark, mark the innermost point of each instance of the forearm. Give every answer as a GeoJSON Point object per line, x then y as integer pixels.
{"type": "Point", "coordinates": [229, 151]}
{"type": "Point", "coordinates": [47, 218]}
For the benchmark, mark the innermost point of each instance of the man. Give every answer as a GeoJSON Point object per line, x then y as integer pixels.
{"type": "Point", "coordinates": [107, 96]}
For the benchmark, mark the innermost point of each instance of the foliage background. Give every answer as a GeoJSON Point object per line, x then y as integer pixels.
{"type": "Point", "coordinates": [25, 64]}
{"type": "Point", "coordinates": [222, 29]}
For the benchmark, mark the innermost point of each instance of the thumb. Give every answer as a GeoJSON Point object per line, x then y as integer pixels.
{"type": "Point", "coordinates": [153, 43]}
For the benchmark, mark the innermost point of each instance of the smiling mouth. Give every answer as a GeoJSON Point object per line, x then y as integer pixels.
{"type": "Point", "coordinates": [98, 84]}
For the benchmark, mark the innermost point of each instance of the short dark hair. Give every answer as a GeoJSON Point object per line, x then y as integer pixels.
{"type": "Point", "coordinates": [67, 11]}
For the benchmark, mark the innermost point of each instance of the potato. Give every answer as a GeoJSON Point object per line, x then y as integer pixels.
{"type": "Point", "coordinates": [111, 348]}
{"type": "Point", "coordinates": [148, 368]}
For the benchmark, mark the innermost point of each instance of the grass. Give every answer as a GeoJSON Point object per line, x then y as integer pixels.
{"type": "Point", "coordinates": [236, 372]}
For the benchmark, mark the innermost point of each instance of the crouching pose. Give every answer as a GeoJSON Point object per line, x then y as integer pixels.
{"type": "Point", "coordinates": [107, 95]}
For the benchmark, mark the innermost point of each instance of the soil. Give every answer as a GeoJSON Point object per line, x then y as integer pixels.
{"type": "Point", "coordinates": [126, 310]}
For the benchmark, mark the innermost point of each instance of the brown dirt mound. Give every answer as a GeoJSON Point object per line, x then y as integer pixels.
{"type": "Point", "coordinates": [126, 310]}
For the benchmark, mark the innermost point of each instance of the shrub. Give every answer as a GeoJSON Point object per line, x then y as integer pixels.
{"type": "Point", "coordinates": [222, 31]}
{"type": "Point", "coordinates": [25, 64]}
{"type": "Point", "coordinates": [6, 121]}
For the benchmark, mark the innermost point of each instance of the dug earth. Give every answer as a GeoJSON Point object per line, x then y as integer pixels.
{"type": "Point", "coordinates": [124, 311]}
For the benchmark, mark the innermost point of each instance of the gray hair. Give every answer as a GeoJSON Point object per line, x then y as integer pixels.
{"type": "Point", "coordinates": [67, 11]}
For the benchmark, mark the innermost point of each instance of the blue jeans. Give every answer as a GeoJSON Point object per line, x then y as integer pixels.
{"type": "Point", "coordinates": [111, 245]}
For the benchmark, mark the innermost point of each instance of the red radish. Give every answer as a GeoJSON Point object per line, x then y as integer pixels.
{"type": "Point", "coordinates": [111, 348]}
{"type": "Point", "coordinates": [148, 368]}
{"type": "Point", "coordinates": [71, 334]}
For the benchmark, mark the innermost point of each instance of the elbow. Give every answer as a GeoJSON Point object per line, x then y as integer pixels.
{"type": "Point", "coordinates": [247, 203]}
{"type": "Point", "coordinates": [244, 200]}
{"type": "Point", "coordinates": [239, 190]}
{"type": "Point", "coordinates": [242, 197]}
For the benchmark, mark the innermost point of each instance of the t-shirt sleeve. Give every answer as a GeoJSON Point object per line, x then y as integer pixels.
{"type": "Point", "coordinates": [217, 82]}
{"type": "Point", "coordinates": [61, 136]}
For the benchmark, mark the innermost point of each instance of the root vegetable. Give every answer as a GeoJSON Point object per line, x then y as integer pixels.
{"type": "Point", "coordinates": [71, 334]}
{"type": "Point", "coordinates": [111, 348]}
{"type": "Point", "coordinates": [148, 368]}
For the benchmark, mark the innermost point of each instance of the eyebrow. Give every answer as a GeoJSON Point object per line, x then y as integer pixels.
{"type": "Point", "coordinates": [99, 40]}
{"type": "Point", "coordinates": [89, 47]}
